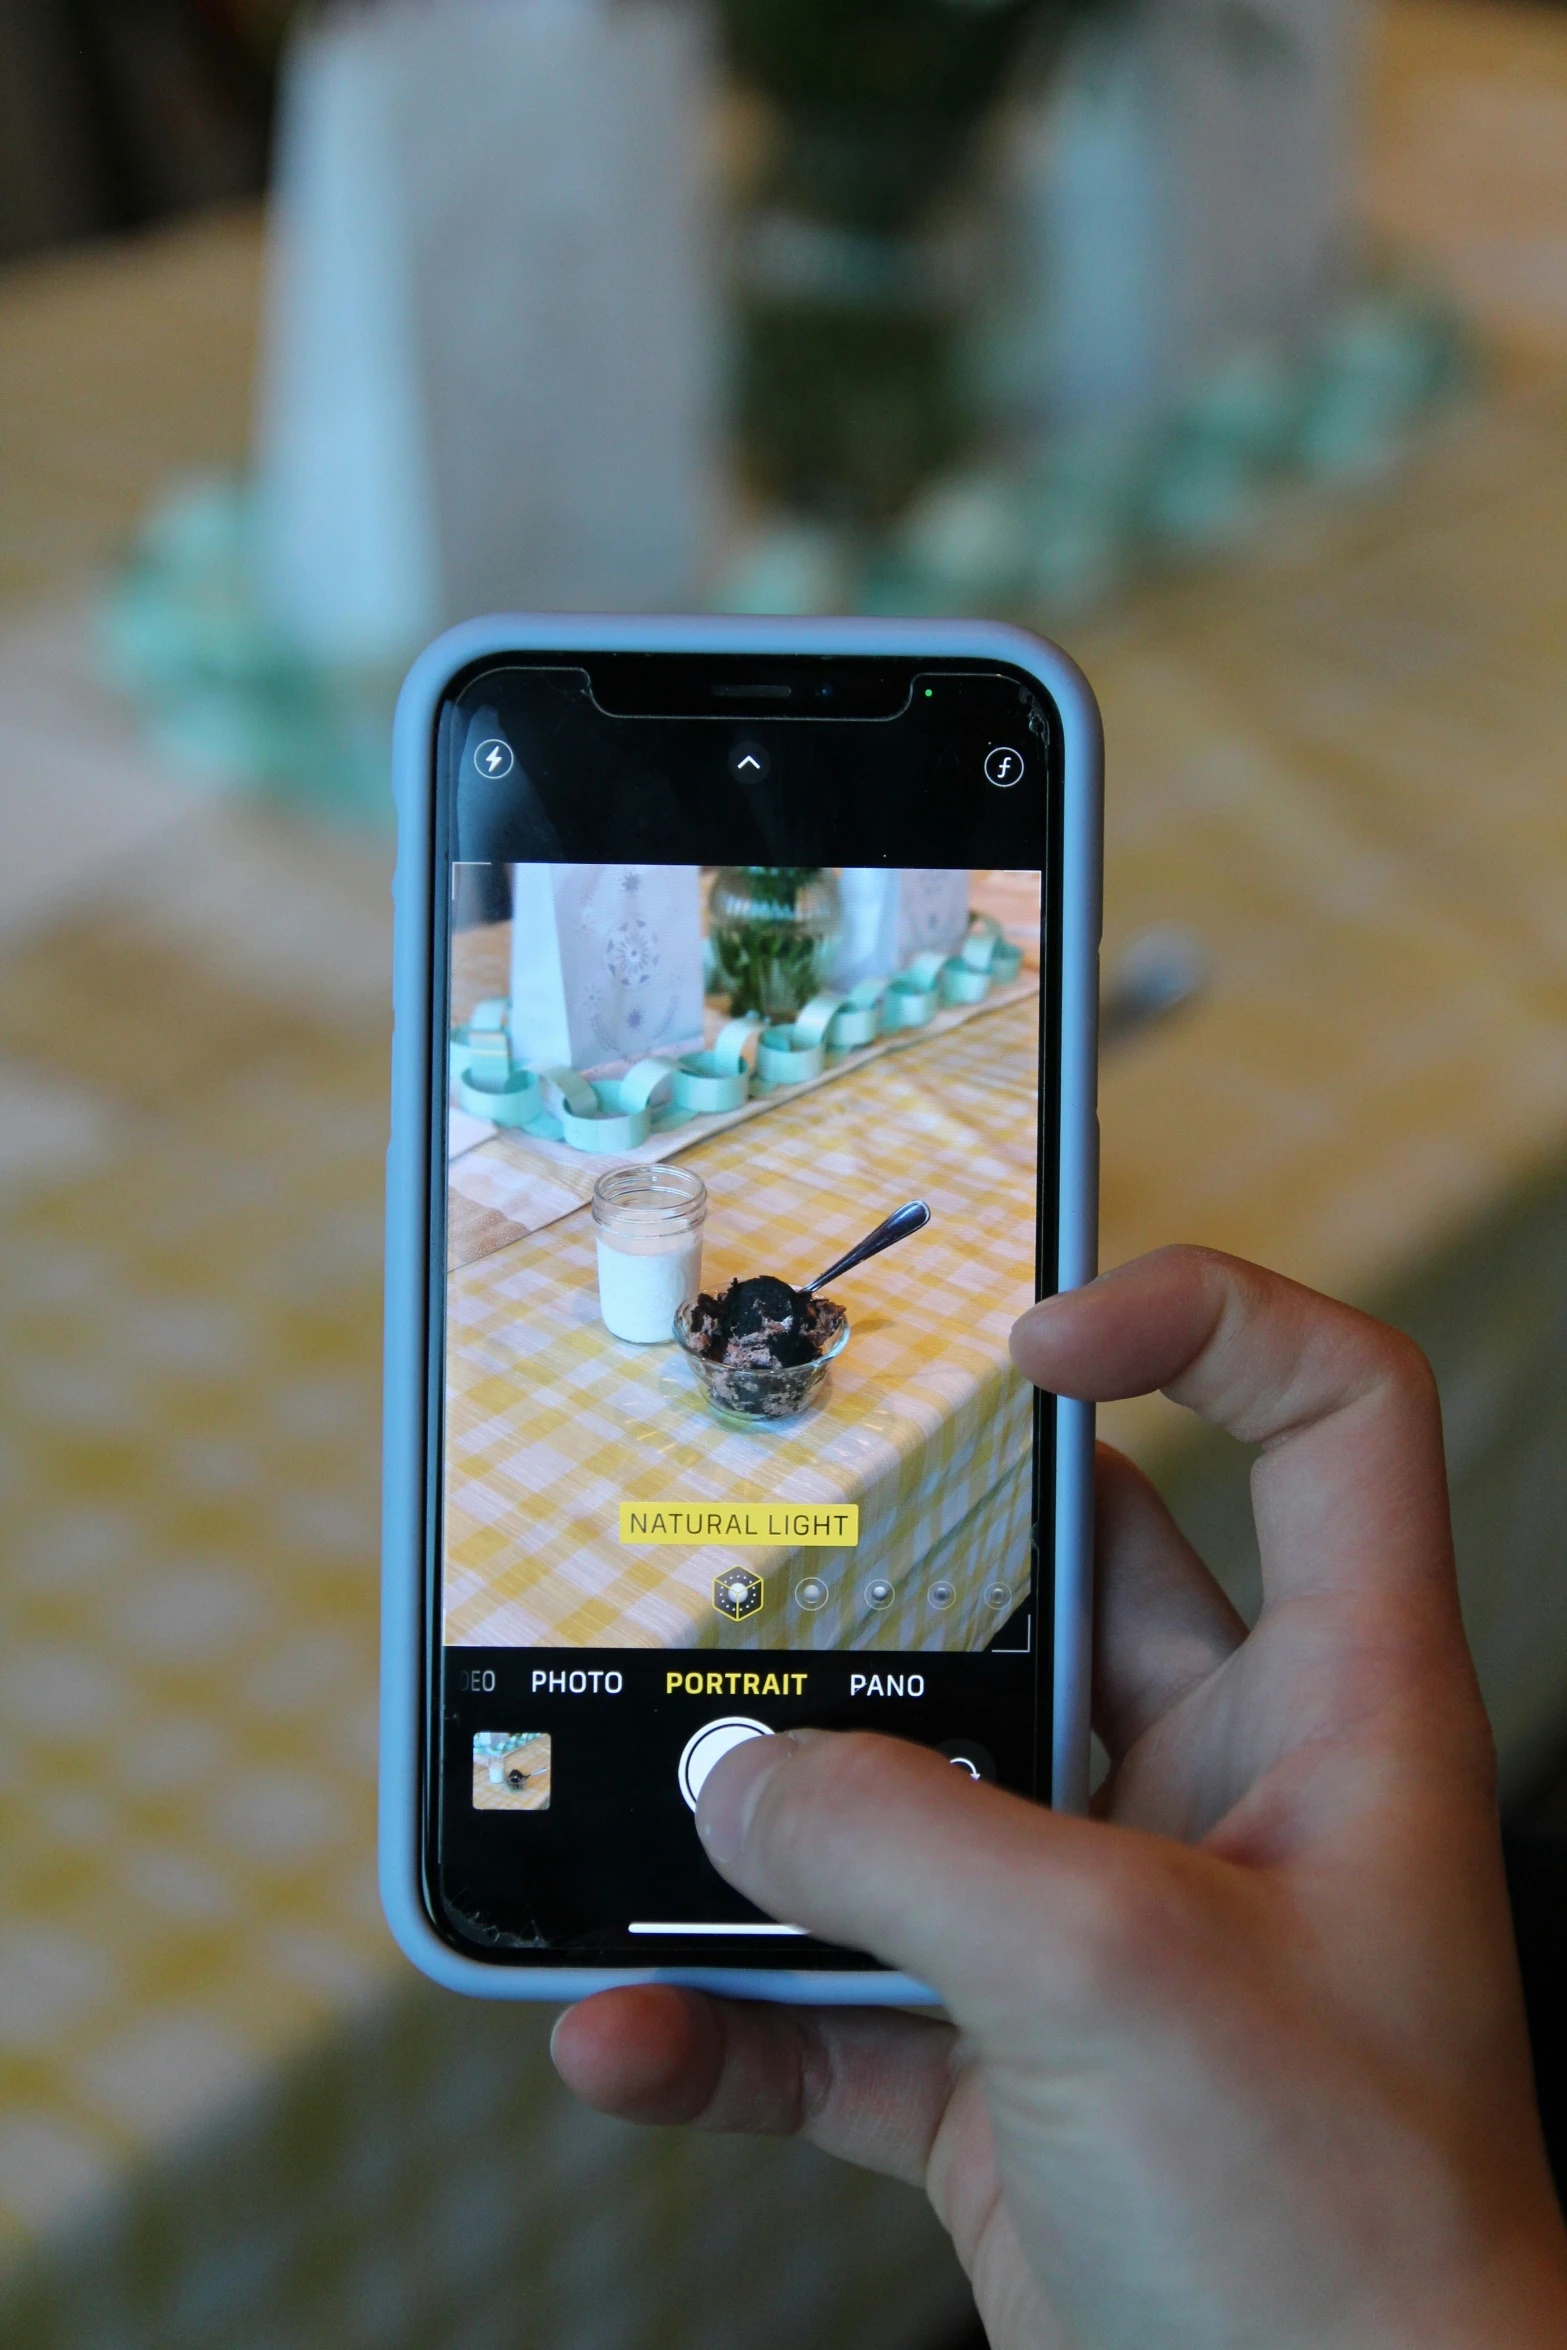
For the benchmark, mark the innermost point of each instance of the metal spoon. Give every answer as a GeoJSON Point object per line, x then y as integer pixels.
{"type": "Point", "coordinates": [913, 1216]}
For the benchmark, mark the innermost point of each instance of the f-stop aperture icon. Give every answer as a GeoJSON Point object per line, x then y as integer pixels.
{"type": "Point", "coordinates": [737, 1593]}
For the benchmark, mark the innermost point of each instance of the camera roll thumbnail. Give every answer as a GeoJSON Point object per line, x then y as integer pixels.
{"type": "Point", "coordinates": [511, 1770]}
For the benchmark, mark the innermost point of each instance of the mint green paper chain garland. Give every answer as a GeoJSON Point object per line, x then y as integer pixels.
{"type": "Point", "coordinates": [618, 1114]}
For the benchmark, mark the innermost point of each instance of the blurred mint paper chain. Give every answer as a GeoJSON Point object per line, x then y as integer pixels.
{"type": "Point", "coordinates": [746, 1059]}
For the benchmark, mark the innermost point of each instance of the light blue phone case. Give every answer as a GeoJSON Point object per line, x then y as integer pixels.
{"type": "Point", "coordinates": [408, 1227]}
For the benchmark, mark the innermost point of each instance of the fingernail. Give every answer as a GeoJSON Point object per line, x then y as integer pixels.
{"type": "Point", "coordinates": [731, 1791]}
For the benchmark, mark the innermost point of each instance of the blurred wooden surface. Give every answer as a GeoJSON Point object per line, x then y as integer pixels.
{"type": "Point", "coordinates": [123, 366]}
{"type": "Point", "coordinates": [1464, 167]}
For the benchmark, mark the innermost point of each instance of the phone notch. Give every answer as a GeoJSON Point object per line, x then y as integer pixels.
{"type": "Point", "coordinates": [727, 687]}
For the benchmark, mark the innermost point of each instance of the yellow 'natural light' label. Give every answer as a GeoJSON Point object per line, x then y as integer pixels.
{"type": "Point", "coordinates": [750, 1525]}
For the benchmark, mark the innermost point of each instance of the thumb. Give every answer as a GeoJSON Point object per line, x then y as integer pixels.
{"type": "Point", "coordinates": [883, 1847]}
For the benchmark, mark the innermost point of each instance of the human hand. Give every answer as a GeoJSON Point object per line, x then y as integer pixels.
{"type": "Point", "coordinates": [1241, 2062]}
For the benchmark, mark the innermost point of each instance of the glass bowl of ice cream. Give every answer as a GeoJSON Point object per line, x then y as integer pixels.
{"type": "Point", "coordinates": [760, 1349]}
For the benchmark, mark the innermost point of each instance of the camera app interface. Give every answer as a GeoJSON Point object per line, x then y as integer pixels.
{"type": "Point", "coordinates": [741, 1169]}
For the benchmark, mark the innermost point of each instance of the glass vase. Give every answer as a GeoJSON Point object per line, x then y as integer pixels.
{"type": "Point", "coordinates": [771, 933]}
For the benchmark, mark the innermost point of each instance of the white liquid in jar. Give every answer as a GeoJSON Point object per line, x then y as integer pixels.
{"type": "Point", "coordinates": [644, 1282]}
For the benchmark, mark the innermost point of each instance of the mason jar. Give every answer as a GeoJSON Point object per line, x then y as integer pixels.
{"type": "Point", "coordinates": [648, 1224]}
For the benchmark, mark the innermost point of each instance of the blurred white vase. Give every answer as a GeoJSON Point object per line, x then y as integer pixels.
{"type": "Point", "coordinates": [490, 375]}
{"type": "Point", "coordinates": [1181, 190]}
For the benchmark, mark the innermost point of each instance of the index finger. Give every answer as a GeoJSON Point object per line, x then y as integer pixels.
{"type": "Point", "coordinates": [867, 2085]}
{"type": "Point", "coordinates": [1350, 1492]}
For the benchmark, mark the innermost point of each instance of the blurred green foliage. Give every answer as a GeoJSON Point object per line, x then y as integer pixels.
{"type": "Point", "coordinates": [260, 26]}
{"type": "Point", "coordinates": [845, 411]}
{"type": "Point", "coordinates": [848, 390]}
{"type": "Point", "coordinates": [878, 98]}
{"type": "Point", "coordinates": [912, 57]}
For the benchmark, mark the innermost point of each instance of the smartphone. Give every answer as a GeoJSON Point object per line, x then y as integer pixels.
{"type": "Point", "coordinates": [674, 1035]}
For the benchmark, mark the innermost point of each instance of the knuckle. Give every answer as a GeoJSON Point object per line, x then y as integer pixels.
{"type": "Point", "coordinates": [1127, 1918]}
{"type": "Point", "coordinates": [1400, 1364]}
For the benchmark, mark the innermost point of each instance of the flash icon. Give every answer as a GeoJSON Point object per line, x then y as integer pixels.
{"type": "Point", "coordinates": [495, 758]}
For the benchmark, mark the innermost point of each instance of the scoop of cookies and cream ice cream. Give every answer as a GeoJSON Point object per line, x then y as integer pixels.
{"type": "Point", "coordinates": [763, 1324]}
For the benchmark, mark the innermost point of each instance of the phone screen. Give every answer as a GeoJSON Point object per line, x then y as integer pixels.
{"type": "Point", "coordinates": [735, 960]}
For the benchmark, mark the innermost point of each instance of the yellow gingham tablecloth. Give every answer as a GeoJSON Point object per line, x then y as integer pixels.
{"type": "Point", "coordinates": [552, 1423]}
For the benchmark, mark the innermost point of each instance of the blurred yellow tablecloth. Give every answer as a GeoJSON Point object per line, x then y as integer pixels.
{"type": "Point", "coordinates": [229, 2113]}
{"type": "Point", "coordinates": [552, 1423]}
